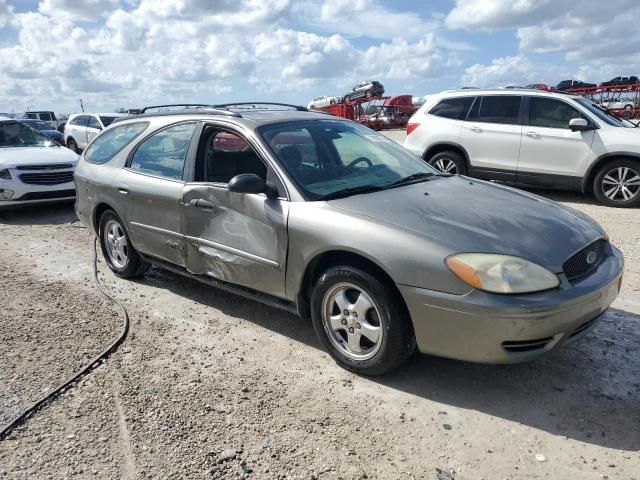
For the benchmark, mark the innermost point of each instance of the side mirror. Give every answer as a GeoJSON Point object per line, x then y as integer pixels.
{"type": "Point", "coordinates": [579, 125]}
{"type": "Point", "coordinates": [251, 183]}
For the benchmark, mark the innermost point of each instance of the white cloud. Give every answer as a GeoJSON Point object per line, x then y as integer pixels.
{"type": "Point", "coordinates": [5, 13]}
{"type": "Point", "coordinates": [514, 70]}
{"type": "Point", "coordinates": [363, 18]}
{"type": "Point", "coordinates": [85, 9]}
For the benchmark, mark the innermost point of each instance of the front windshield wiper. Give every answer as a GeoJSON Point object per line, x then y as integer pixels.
{"type": "Point", "coordinates": [414, 177]}
{"type": "Point", "coordinates": [345, 192]}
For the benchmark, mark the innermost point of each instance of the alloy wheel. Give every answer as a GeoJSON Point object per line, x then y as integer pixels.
{"type": "Point", "coordinates": [445, 165]}
{"type": "Point", "coordinates": [116, 244]}
{"type": "Point", "coordinates": [621, 184]}
{"type": "Point", "coordinates": [352, 321]}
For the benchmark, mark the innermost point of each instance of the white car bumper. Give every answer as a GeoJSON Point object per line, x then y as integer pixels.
{"type": "Point", "coordinates": [33, 186]}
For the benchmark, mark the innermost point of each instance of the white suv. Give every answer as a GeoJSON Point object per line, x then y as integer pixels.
{"type": "Point", "coordinates": [530, 138]}
{"type": "Point", "coordinates": [81, 128]}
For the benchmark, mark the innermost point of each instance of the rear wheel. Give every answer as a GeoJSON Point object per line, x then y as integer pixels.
{"type": "Point", "coordinates": [362, 323]}
{"type": "Point", "coordinates": [449, 162]}
{"type": "Point", "coordinates": [617, 184]}
{"type": "Point", "coordinates": [72, 145]}
{"type": "Point", "coordinates": [368, 94]}
{"type": "Point", "coordinates": [121, 257]}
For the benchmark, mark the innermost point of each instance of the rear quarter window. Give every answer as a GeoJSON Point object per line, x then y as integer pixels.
{"type": "Point", "coordinates": [454, 108]}
{"type": "Point", "coordinates": [112, 141]}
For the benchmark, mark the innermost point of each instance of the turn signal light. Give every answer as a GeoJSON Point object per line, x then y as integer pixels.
{"type": "Point", "coordinates": [411, 127]}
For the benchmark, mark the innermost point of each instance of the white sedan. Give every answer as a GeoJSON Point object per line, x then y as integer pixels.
{"type": "Point", "coordinates": [323, 101]}
{"type": "Point", "coordinates": [33, 169]}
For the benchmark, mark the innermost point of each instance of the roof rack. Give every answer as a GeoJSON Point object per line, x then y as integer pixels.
{"type": "Point", "coordinates": [187, 105]}
{"type": "Point", "coordinates": [253, 104]}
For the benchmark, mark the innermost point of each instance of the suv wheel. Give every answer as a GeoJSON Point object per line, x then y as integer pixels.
{"type": "Point", "coordinates": [121, 257]}
{"type": "Point", "coordinates": [72, 145]}
{"type": "Point", "coordinates": [617, 184]}
{"type": "Point", "coordinates": [368, 94]}
{"type": "Point", "coordinates": [362, 324]}
{"type": "Point", "coordinates": [449, 162]}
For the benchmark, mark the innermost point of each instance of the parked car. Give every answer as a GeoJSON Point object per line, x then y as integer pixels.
{"type": "Point", "coordinates": [81, 128]}
{"type": "Point", "coordinates": [569, 84]}
{"type": "Point", "coordinates": [323, 217]}
{"type": "Point", "coordinates": [620, 104]}
{"type": "Point", "coordinates": [33, 168]}
{"type": "Point", "coordinates": [368, 89]}
{"type": "Point", "coordinates": [45, 129]}
{"type": "Point", "coordinates": [629, 80]}
{"type": "Point", "coordinates": [323, 101]}
{"type": "Point", "coordinates": [6, 115]}
{"type": "Point", "coordinates": [530, 138]}
{"type": "Point", "coordinates": [45, 116]}
{"type": "Point", "coordinates": [540, 86]}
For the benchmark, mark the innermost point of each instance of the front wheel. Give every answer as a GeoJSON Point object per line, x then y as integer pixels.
{"type": "Point", "coordinates": [72, 145]}
{"type": "Point", "coordinates": [449, 162]}
{"type": "Point", "coordinates": [617, 184]}
{"type": "Point", "coordinates": [120, 255]}
{"type": "Point", "coordinates": [361, 322]}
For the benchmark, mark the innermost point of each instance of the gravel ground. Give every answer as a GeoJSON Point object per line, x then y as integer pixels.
{"type": "Point", "coordinates": [209, 385]}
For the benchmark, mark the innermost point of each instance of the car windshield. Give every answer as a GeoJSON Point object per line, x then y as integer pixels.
{"type": "Point", "coordinates": [601, 113]}
{"type": "Point", "coordinates": [330, 158]}
{"type": "Point", "coordinates": [38, 124]}
{"type": "Point", "coordinates": [15, 134]}
{"type": "Point", "coordinates": [106, 121]}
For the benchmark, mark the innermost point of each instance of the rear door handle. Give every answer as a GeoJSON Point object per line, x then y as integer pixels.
{"type": "Point", "coordinates": [532, 134]}
{"type": "Point", "coordinates": [201, 204]}
{"type": "Point", "coordinates": [122, 188]}
{"type": "Point", "coordinates": [475, 129]}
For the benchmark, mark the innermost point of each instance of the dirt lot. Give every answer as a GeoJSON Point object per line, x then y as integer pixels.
{"type": "Point", "coordinates": [210, 385]}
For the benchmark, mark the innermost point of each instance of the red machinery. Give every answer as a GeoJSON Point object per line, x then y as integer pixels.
{"type": "Point", "coordinates": [606, 95]}
{"type": "Point", "coordinates": [377, 113]}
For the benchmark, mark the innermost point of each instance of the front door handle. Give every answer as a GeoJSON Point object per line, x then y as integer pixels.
{"type": "Point", "coordinates": [201, 204]}
{"type": "Point", "coordinates": [122, 188]}
{"type": "Point", "coordinates": [532, 134]}
{"type": "Point", "coordinates": [475, 129]}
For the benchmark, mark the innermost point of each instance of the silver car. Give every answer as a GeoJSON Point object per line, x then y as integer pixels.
{"type": "Point", "coordinates": [328, 219]}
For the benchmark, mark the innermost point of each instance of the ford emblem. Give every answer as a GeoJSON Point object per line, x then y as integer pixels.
{"type": "Point", "coordinates": [592, 257]}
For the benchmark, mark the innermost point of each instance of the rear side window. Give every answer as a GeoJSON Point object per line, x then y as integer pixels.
{"type": "Point", "coordinates": [106, 120]}
{"type": "Point", "coordinates": [454, 108]}
{"type": "Point", "coordinates": [551, 113]}
{"type": "Point", "coordinates": [107, 145]}
{"type": "Point", "coordinates": [164, 152]}
{"type": "Point", "coordinates": [45, 116]}
{"type": "Point", "coordinates": [499, 109]}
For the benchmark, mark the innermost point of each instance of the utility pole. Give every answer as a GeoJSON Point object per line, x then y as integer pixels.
{"type": "Point", "coordinates": [81, 106]}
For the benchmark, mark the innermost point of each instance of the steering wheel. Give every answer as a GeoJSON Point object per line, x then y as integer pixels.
{"type": "Point", "coordinates": [359, 160]}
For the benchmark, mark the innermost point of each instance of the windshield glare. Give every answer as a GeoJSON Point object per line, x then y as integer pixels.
{"type": "Point", "coordinates": [327, 156]}
{"type": "Point", "coordinates": [601, 113]}
{"type": "Point", "coordinates": [14, 134]}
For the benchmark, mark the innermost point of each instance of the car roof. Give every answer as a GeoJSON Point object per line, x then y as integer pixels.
{"type": "Point", "coordinates": [257, 116]}
{"type": "Point", "coordinates": [503, 91]}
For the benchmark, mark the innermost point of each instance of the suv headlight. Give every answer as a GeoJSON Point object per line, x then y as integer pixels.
{"type": "Point", "coordinates": [501, 273]}
{"type": "Point", "coordinates": [5, 174]}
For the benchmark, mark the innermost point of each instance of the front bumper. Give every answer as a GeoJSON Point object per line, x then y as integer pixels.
{"type": "Point", "coordinates": [26, 194]}
{"type": "Point", "coordinates": [493, 328]}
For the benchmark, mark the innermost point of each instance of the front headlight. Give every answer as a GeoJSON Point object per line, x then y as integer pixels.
{"type": "Point", "coordinates": [5, 174]}
{"type": "Point", "coordinates": [501, 273]}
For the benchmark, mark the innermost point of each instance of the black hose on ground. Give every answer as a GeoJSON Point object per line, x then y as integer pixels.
{"type": "Point", "coordinates": [25, 414]}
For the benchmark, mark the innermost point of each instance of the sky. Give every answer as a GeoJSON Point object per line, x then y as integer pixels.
{"type": "Point", "coordinates": [132, 53]}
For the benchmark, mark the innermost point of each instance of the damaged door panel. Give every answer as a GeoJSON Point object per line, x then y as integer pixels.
{"type": "Point", "coordinates": [234, 237]}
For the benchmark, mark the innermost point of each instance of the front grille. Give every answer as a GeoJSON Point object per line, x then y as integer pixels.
{"type": "Point", "coordinates": [578, 265]}
{"type": "Point", "coordinates": [519, 346]}
{"type": "Point", "coordinates": [49, 178]}
{"type": "Point", "coordinates": [47, 195]}
{"type": "Point", "coordinates": [51, 166]}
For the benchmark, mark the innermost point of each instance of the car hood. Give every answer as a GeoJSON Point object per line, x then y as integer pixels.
{"type": "Point", "coordinates": [14, 156]}
{"type": "Point", "coordinates": [475, 216]}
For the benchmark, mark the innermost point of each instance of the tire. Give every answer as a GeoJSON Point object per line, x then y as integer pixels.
{"type": "Point", "coordinates": [332, 101]}
{"type": "Point", "coordinates": [72, 145]}
{"type": "Point", "coordinates": [606, 183]}
{"type": "Point", "coordinates": [368, 94]}
{"type": "Point", "coordinates": [449, 162]}
{"type": "Point", "coordinates": [123, 259]}
{"type": "Point", "coordinates": [346, 98]}
{"type": "Point", "coordinates": [387, 316]}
